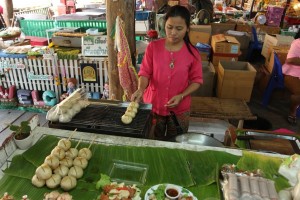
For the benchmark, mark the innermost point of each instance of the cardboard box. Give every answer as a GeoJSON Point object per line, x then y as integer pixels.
{"type": "Point", "coordinates": [204, 56]}
{"type": "Point", "coordinates": [259, 28]}
{"type": "Point", "coordinates": [216, 57]}
{"type": "Point", "coordinates": [200, 33]}
{"type": "Point", "coordinates": [277, 40]}
{"type": "Point", "coordinates": [225, 44]}
{"type": "Point", "coordinates": [242, 37]}
{"type": "Point", "coordinates": [281, 53]}
{"type": "Point", "coordinates": [235, 80]}
{"type": "Point", "coordinates": [94, 45]}
{"type": "Point", "coordinates": [206, 90]}
{"type": "Point", "coordinates": [217, 28]}
{"type": "Point", "coordinates": [243, 28]}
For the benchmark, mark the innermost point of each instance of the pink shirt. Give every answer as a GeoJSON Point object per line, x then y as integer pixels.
{"type": "Point", "coordinates": [164, 82]}
{"type": "Point", "coordinates": [290, 69]}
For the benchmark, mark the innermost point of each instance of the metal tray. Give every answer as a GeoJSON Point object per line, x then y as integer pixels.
{"type": "Point", "coordinates": [274, 143]}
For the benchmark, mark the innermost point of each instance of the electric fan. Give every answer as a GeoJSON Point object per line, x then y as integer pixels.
{"type": "Point", "coordinates": [202, 17]}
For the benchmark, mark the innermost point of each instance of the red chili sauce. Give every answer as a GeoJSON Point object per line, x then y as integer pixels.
{"type": "Point", "coordinates": [172, 192]}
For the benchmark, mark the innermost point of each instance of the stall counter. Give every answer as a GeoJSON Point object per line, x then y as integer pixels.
{"type": "Point", "coordinates": [118, 142]}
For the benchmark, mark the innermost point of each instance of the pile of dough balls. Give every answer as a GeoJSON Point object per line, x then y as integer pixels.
{"type": "Point", "coordinates": [62, 167]}
{"type": "Point", "coordinates": [55, 195]}
{"type": "Point", "coordinates": [130, 113]}
{"type": "Point", "coordinates": [68, 108]}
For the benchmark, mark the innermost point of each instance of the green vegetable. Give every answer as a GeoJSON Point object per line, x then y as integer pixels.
{"type": "Point", "coordinates": [160, 192]}
{"type": "Point", "coordinates": [104, 180]}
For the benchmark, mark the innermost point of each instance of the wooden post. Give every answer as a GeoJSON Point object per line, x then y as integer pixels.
{"type": "Point", "coordinates": [8, 12]}
{"type": "Point", "coordinates": [125, 8]}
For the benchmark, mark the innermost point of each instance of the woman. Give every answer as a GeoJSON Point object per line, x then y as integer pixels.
{"type": "Point", "coordinates": [291, 70]}
{"type": "Point", "coordinates": [170, 71]}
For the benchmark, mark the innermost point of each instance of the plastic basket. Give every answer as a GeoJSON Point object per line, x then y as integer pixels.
{"type": "Point", "coordinates": [38, 27]}
{"type": "Point", "coordinates": [142, 15]}
{"type": "Point", "coordinates": [84, 24]}
{"type": "Point", "coordinates": [287, 33]}
{"type": "Point", "coordinates": [140, 58]}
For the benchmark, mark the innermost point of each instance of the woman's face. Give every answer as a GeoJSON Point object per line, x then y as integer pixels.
{"type": "Point", "coordinates": [176, 29]}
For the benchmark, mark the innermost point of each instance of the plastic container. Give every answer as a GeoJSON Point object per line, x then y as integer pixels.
{"type": "Point", "coordinates": [287, 33]}
{"type": "Point", "coordinates": [142, 15]}
{"type": "Point", "coordinates": [92, 31]}
{"type": "Point", "coordinates": [128, 172]}
{"type": "Point", "coordinates": [38, 27]}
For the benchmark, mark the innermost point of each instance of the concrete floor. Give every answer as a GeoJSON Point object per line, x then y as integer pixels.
{"type": "Point", "coordinates": [276, 112]}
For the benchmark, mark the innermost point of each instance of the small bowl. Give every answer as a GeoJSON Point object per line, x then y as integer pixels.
{"type": "Point", "coordinates": [172, 192]}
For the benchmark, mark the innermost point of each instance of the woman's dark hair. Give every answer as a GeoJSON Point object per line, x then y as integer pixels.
{"type": "Point", "coordinates": [297, 34]}
{"type": "Point", "coordinates": [184, 13]}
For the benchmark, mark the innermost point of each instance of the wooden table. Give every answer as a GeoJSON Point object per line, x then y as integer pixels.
{"type": "Point", "coordinates": [216, 108]}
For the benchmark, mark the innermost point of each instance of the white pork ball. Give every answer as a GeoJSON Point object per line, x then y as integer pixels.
{"type": "Point", "coordinates": [126, 119]}
{"type": "Point", "coordinates": [85, 153]}
{"type": "Point", "coordinates": [130, 113]}
{"type": "Point", "coordinates": [65, 144]}
{"type": "Point", "coordinates": [58, 152]}
{"type": "Point", "coordinates": [52, 116]}
{"type": "Point", "coordinates": [62, 170]}
{"type": "Point", "coordinates": [72, 153]}
{"type": "Point", "coordinates": [134, 104]}
{"type": "Point", "coordinates": [37, 182]}
{"type": "Point", "coordinates": [80, 162]}
{"type": "Point", "coordinates": [76, 172]}
{"type": "Point", "coordinates": [68, 183]}
{"type": "Point", "coordinates": [67, 161]}
{"type": "Point", "coordinates": [43, 172]}
{"type": "Point", "coordinates": [65, 118]}
{"type": "Point", "coordinates": [77, 108]}
{"type": "Point", "coordinates": [52, 161]}
{"type": "Point", "coordinates": [132, 109]}
{"type": "Point", "coordinates": [53, 181]}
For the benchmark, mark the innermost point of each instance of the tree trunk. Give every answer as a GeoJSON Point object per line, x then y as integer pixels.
{"type": "Point", "coordinates": [125, 8]}
{"type": "Point", "coordinates": [8, 12]}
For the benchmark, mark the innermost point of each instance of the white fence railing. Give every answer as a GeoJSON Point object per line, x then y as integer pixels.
{"type": "Point", "coordinates": [55, 68]}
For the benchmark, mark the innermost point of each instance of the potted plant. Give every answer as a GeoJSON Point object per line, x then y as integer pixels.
{"type": "Point", "coordinates": [22, 134]}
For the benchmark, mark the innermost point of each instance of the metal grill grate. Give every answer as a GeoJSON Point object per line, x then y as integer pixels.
{"type": "Point", "coordinates": [107, 120]}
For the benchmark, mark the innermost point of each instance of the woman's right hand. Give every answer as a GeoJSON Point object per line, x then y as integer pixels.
{"type": "Point", "coordinates": [137, 96]}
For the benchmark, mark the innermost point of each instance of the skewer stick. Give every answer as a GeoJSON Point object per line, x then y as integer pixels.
{"type": "Point", "coordinates": [72, 134]}
{"type": "Point", "coordinates": [92, 142]}
{"type": "Point", "coordinates": [78, 143]}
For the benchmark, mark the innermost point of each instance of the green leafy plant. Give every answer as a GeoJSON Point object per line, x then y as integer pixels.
{"type": "Point", "coordinates": [22, 131]}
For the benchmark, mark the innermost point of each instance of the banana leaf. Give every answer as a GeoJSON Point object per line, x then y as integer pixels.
{"type": "Point", "coordinates": [20, 167]}
{"type": "Point", "coordinates": [204, 167]}
{"type": "Point", "coordinates": [196, 171]}
{"type": "Point", "coordinates": [269, 166]}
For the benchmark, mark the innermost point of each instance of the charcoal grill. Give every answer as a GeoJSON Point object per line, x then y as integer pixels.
{"type": "Point", "coordinates": [106, 119]}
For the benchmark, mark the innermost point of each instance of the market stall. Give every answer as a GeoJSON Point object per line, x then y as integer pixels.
{"type": "Point", "coordinates": [140, 161]}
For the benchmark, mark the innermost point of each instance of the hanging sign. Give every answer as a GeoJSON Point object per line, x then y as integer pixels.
{"type": "Point", "coordinates": [31, 76]}
{"type": "Point", "coordinates": [89, 73]}
{"type": "Point", "coordinates": [94, 45]}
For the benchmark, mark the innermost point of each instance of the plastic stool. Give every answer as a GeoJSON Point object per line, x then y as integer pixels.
{"type": "Point", "coordinates": [276, 80]}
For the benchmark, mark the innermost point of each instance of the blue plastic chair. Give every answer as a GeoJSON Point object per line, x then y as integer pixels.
{"type": "Point", "coordinates": [276, 80]}
{"type": "Point", "coordinates": [255, 44]}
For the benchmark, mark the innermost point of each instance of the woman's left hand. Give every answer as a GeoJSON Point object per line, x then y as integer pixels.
{"type": "Point", "coordinates": [174, 101]}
